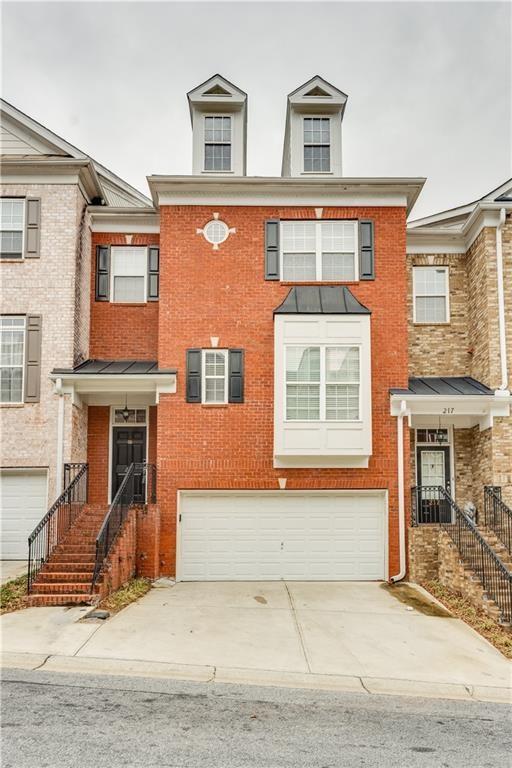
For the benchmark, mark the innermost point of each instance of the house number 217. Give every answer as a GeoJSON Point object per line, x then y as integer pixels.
{"type": "Point", "coordinates": [448, 410]}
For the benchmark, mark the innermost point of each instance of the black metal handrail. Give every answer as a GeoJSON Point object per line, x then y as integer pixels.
{"type": "Point", "coordinates": [473, 549]}
{"type": "Point", "coordinates": [56, 523]}
{"type": "Point", "coordinates": [497, 515]}
{"type": "Point", "coordinates": [71, 469]}
{"type": "Point", "coordinates": [429, 505]}
{"type": "Point", "coordinates": [138, 486]}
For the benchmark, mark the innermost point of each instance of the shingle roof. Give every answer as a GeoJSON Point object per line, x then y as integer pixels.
{"type": "Point", "coordinates": [443, 386]}
{"type": "Point", "coordinates": [116, 367]}
{"type": "Point", "coordinates": [321, 300]}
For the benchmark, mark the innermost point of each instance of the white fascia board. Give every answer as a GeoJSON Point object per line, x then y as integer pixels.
{"type": "Point", "coordinates": [477, 405]}
{"type": "Point", "coordinates": [84, 383]}
{"type": "Point", "coordinates": [124, 220]}
{"type": "Point", "coordinates": [259, 190]}
{"type": "Point", "coordinates": [64, 170]}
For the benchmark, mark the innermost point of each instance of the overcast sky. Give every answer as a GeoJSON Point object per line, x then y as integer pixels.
{"type": "Point", "coordinates": [429, 84]}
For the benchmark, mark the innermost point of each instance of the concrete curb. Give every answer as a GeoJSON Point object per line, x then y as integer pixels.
{"type": "Point", "coordinates": [262, 677]}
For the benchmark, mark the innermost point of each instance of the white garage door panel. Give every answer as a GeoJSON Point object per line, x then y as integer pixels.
{"type": "Point", "coordinates": [277, 536]}
{"type": "Point", "coordinates": [22, 505]}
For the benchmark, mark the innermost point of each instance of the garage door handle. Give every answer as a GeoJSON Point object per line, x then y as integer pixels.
{"type": "Point", "coordinates": [282, 545]}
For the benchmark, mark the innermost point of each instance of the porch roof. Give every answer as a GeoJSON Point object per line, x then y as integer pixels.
{"type": "Point", "coordinates": [108, 382]}
{"type": "Point", "coordinates": [458, 401]}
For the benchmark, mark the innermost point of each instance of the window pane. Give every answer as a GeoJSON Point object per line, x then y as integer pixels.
{"type": "Point", "coordinates": [129, 261]}
{"type": "Point", "coordinates": [299, 266]}
{"type": "Point", "coordinates": [430, 309]}
{"type": "Point", "coordinates": [303, 402]}
{"type": "Point", "coordinates": [298, 236]}
{"type": "Point", "coordinates": [342, 402]}
{"type": "Point", "coordinates": [338, 266]}
{"type": "Point", "coordinates": [339, 236]}
{"type": "Point", "coordinates": [214, 363]}
{"type": "Point", "coordinates": [11, 385]}
{"type": "Point", "coordinates": [430, 281]}
{"type": "Point", "coordinates": [11, 243]}
{"type": "Point", "coordinates": [11, 214]}
{"type": "Point", "coordinates": [317, 158]}
{"type": "Point", "coordinates": [129, 289]}
{"type": "Point", "coordinates": [342, 364]}
{"type": "Point", "coordinates": [316, 130]}
{"type": "Point", "coordinates": [11, 349]}
{"type": "Point", "coordinates": [217, 157]}
{"type": "Point", "coordinates": [214, 390]}
{"type": "Point", "coordinates": [302, 364]}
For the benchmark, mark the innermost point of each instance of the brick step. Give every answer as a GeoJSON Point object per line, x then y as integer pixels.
{"type": "Point", "coordinates": [49, 577]}
{"type": "Point", "coordinates": [55, 566]}
{"type": "Point", "coordinates": [40, 601]}
{"type": "Point", "coordinates": [61, 587]}
{"type": "Point", "coordinates": [72, 557]}
{"type": "Point", "coordinates": [74, 549]}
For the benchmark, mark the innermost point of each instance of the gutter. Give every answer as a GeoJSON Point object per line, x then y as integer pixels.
{"type": "Point", "coordinates": [401, 493]}
{"type": "Point", "coordinates": [503, 390]}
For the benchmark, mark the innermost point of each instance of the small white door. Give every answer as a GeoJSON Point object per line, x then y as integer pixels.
{"type": "Point", "coordinates": [272, 536]}
{"type": "Point", "coordinates": [23, 503]}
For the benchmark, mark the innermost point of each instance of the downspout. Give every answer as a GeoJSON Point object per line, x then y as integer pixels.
{"type": "Point", "coordinates": [60, 438]}
{"type": "Point", "coordinates": [401, 490]}
{"type": "Point", "coordinates": [503, 388]}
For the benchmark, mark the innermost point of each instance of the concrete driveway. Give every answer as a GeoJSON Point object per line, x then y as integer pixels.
{"type": "Point", "coordinates": [269, 631]}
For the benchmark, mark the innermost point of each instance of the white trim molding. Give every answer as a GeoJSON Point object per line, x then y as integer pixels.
{"type": "Point", "coordinates": [459, 411]}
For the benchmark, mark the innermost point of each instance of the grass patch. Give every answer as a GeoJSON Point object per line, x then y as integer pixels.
{"type": "Point", "coordinates": [130, 592]}
{"type": "Point", "coordinates": [460, 607]}
{"type": "Point", "coordinates": [13, 595]}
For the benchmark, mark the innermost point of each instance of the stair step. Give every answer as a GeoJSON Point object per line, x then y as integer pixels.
{"type": "Point", "coordinates": [49, 577]}
{"type": "Point", "coordinates": [55, 566]}
{"type": "Point", "coordinates": [61, 587]}
{"type": "Point", "coordinates": [61, 599]}
{"type": "Point", "coordinates": [72, 557]}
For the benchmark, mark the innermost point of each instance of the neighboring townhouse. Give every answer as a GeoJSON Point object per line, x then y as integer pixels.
{"type": "Point", "coordinates": [273, 362]}
{"type": "Point", "coordinates": [47, 186]}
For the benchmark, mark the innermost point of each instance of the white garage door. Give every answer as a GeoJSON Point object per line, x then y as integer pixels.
{"type": "Point", "coordinates": [22, 505]}
{"type": "Point", "coordinates": [288, 535]}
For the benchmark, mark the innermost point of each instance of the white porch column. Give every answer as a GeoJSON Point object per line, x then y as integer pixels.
{"type": "Point", "coordinates": [60, 438]}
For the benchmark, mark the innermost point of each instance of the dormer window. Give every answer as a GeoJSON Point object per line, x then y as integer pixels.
{"type": "Point", "coordinates": [217, 143]}
{"type": "Point", "coordinates": [317, 145]}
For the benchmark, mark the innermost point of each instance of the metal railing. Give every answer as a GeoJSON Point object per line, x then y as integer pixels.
{"type": "Point", "coordinates": [429, 505]}
{"type": "Point", "coordinates": [56, 523]}
{"type": "Point", "coordinates": [497, 515]}
{"type": "Point", "coordinates": [472, 547]}
{"type": "Point", "coordinates": [137, 487]}
{"type": "Point", "coordinates": [71, 469]}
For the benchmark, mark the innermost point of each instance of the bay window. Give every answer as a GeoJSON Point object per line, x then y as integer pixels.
{"type": "Point", "coordinates": [322, 383]}
{"type": "Point", "coordinates": [319, 251]}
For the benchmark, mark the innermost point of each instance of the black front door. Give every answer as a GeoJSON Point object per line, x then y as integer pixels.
{"type": "Point", "coordinates": [129, 446]}
{"type": "Point", "coordinates": [433, 463]}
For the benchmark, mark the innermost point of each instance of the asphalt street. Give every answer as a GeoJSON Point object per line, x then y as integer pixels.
{"type": "Point", "coordinates": [71, 721]}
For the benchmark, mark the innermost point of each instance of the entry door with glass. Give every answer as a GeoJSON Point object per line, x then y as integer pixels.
{"type": "Point", "coordinates": [433, 463]}
{"type": "Point", "coordinates": [129, 446]}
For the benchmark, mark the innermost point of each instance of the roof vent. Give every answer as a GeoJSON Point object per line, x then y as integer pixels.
{"type": "Point", "coordinates": [317, 91]}
{"type": "Point", "coordinates": [216, 90]}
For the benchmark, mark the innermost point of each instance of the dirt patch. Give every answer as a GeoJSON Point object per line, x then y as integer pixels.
{"type": "Point", "coordinates": [413, 598]}
{"type": "Point", "coordinates": [129, 593]}
{"type": "Point", "coordinates": [13, 595]}
{"type": "Point", "coordinates": [260, 599]}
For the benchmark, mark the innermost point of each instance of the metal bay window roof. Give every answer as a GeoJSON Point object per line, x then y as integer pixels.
{"type": "Point", "coordinates": [114, 368]}
{"type": "Point", "coordinates": [321, 300]}
{"type": "Point", "coordinates": [444, 386]}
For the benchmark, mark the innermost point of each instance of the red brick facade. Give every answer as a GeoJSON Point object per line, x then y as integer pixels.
{"type": "Point", "coordinates": [223, 293]}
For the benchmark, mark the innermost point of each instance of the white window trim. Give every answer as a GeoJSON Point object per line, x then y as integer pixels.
{"type": "Point", "coordinates": [225, 353]}
{"type": "Point", "coordinates": [318, 250]}
{"type": "Point", "coordinates": [317, 173]}
{"type": "Point", "coordinates": [23, 228]}
{"type": "Point", "coordinates": [230, 143]}
{"type": "Point", "coordinates": [112, 275]}
{"type": "Point", "coordinates": [446, 271]}
{"type": "Point", "coordinates": [323, 385]}
{"type": "Point", "coordinates": [22, 366]}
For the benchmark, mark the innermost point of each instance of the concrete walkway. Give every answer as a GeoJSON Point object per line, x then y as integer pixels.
{"type": "Point", "coordinates": [338, 636]}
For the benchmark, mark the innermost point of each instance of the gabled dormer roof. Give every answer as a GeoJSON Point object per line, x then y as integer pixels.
{"type": "Point", "coordinates": [25, 144]}
{"type": "Point", "coordinates": [318, 91]}
{"type": "Point", "coordinates": [217, 90]}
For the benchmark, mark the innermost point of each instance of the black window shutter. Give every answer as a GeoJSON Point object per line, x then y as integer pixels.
{"type": "Point", "coordinates": [33, 358]}
{"type": "Point", "coordinates": [272, 249]}
{"type": "Point", "coordinates": [153, 272]}
{"type": "Point", "coordinates": [236, 376]}
{"type": "Point", "coordinates": [32, 227]}
{"type": "Point", "coordinates": [366, 251]}
{"type": "Point", "coordinates": [102, 273]}
{"type": "Point", "coordinates": [193, 375]}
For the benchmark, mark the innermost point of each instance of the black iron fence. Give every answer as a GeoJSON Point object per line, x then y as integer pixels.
{"type": "Point", "coordinates": [71, 469]}
{"type": "Point", "coordinates": [473, 549]}
{"type": "Point", "coordinates": [429, 505]}
{"type": "Point", "coordinates": [56, 523]}
{"type": "Point", "coordinates": [497, 515]}
{"type": "Point", "coordinates": [138, 484]}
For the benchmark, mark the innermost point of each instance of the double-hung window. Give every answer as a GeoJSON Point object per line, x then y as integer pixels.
{"type": "Point", "coordinates": [129, 274]}
{"type": "Point", "coordinates": [217, 143]}
{"type": "Point", "coordinates": [319, 250]}
{"type": "Point", "coordinates": [12, 222]}
{"type": "Point", "coordinates": [322, 383]}
{"type": "Point", "coordinates": [431, 294]}
{"type": "Point", "coordinates": [12, 358]}
{"type": "Point", "coordinates": [317, 145]}
{"type": "Point", "coordinates": [215, 370]}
